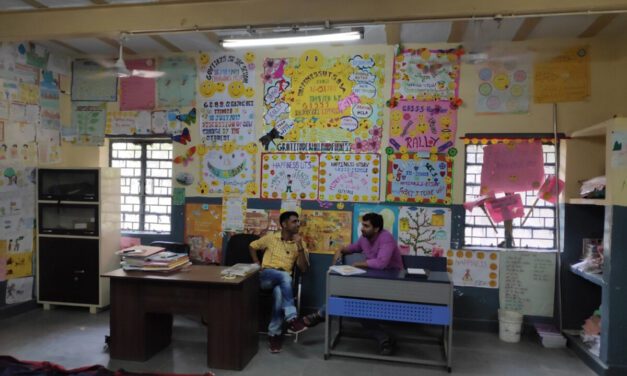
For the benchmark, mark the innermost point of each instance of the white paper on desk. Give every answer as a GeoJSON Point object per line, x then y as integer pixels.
{"type": "Point", "coordinates": [346, 269]}
{"type": "Point", "coordinates": [416, 271]}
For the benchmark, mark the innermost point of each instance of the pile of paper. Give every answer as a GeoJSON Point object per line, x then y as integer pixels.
{"type": "Point", "coordinates": [550, 336]}
{"type": "Point", "coordinates": [240, 270]}
{"type": "Point", "coordinates": [147, 258]}
{"type": "Point", "coordinates": [346, 269]}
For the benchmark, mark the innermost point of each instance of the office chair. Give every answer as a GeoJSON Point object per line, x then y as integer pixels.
{"type": "Point", "coordinates": [237, 251]}
{"type": "Point", "coordinates": [175, 247]}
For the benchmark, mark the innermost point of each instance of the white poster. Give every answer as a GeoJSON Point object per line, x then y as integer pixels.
{"type": "Point", "coordinates": [424, 231]}
{"type": "Point", "coordinates": [19, 290]}
{"type": "Point", "coordinates": [474, 268]}
{"type": "Point", "coordinates": [233, 212]}
{"type": "Point", "coordinates": [289, 176]}
{"type": "Point", "coordinates": [619, 149]}
{"type": "Point", "coordinates": [350, 177]}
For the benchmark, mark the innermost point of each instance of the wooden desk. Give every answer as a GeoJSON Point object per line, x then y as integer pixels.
{"type": "Point", "coordinates": [142, 305]}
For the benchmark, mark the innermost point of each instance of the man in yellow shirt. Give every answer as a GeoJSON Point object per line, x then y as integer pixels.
{"type": "Point", "coordinates": [281, 251]}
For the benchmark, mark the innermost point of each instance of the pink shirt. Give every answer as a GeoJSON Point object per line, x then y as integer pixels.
{"type": "Point", "coordinates": [381, 253]}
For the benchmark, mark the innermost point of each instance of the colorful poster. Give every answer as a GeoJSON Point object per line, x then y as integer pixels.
{"type": "Point", "coordinates": [233, 213]}
{"type": "Point", "coordinates": [50, 109]}
{"type": "Point", "coordinates": [503, 87]}
{"type": "Point", "coordinates": [350, 177]}
{"type": "Point", "coordinates": [227, 169]}
{"type": "Point", "coordinates": [261, 221]}
{"type": "Point", "coordinates": [226, 96]}
{"type": "Point", "coordinates": [426, 75]}
{"type": "Point", "coordinates": [412, 178]}
{"type": "Point", "coordinates": [19, 264]}
{"type": "Point", "coordinates": [127, 122]}
{"type": "Point", "coordinates": [92, 82]}
{"type": "Point", "coordinates": [423, 126]}
{"type": "Point", "coordinates": [473, 268]}
{"type": "Point", "coordinates": [90, 119]}
{"type": "Point", "coordinates": [324, 231]}
{"type": "Point", "coordinates": [203, 232]}
{"type": "Point", "coordinates": [19, 290]}
{"type": "Point", "coordinates": [138, 93]}
{"type": "Point", "coordinates": [565, 78]}
{"type": "Point", "coordinates": [28, 93]}
{"type": "Point", "coordinates": [388, 212]}
{"type": "Point", "coordinates": [512, 167]}
{"type": "Point", "coordinates": [618, 148]}
{"type": "Point", "coordinates": [293, 176]}
{"type": "Point", "coordinates": [321, 103]}
{"type": "Point", "coordinates": [424, 231]}
{"type": "Point", "coordinates": [177, 87]}
{"type": "Point", "coordinates": [527, 282]}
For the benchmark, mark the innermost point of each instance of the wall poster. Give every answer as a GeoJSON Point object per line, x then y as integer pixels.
{"type": "Point", "coordinates": [203, 232]}
{"type": "Point", "coordinates": [349, 177]}
{"type": "Point", "coordinates": [289, 176]}
{"type": "Point", "coordinates": [412, 178]}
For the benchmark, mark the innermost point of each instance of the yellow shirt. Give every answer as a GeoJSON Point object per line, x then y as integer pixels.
{"type": "Point", "coordinates": [280, 254]}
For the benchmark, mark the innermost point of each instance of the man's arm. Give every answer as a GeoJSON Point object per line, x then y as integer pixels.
{"type": "Point", "coordinates": [302, 261]}
{"type": "Point", "coordinates": [257, 245]}
{"type": "Point", "coordinates": [351, 248]}
{"type": "Point", "coordinates": [386, 250]}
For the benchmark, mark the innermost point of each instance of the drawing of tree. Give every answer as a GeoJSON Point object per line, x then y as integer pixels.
{"type": "Point", "coordinates": [421, 235]}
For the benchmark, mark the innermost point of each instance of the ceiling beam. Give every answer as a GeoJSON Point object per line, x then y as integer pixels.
{"type": "Point", "coordinates": [598, 25]}
{"type": "Point", "coordinates": [99, 2]}
{"type": "Point", "coordinates": [34, 4]}
{"type": "Point", "coordinates": [165, 43]}
{"type": "Point", "coordinates": [458, 29]}
{"type": "Point", "coordinates": [163, 17]}
{"type": "Point", "coordinates": [69, 47]}
{"type": "Point", "coordinates": [526, 28]}
{"type": "Point", "coordinates": [393, 33]}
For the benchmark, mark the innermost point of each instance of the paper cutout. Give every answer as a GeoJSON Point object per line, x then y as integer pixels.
{"type": "Point", "coordinates": [512, 167]}
{"type": "Point", "coordinates": [349, 177]}
{"type": "Point", "coordinates": [19, 290]}
{"type": "Point", "coordinates": [473, 268]}
{"type": "Point", "coordinates": [127, 122]}
{"type": "Point", "coordinates": [293, 176]}
{"type": "Point", "coordinates": [233, 213]}
{"type": "Point", "coordinates": [618, 148]}
{"type": "Point", "coordinates": [138, 93]}
{"type": "Point", "coordinates": [203, 228]}
{"type": "Point", "coordinates": [503, 87]}
{"type": "Point", "coordinates": [226, 95]}
{"type": "Point", "coordinates": [50, 112]}
{"type": "Point", "coordinates": [92, 82]}
{"type": "Point", "coordinates": [186, 158]}
{"type": "Point", "coordinates": [565, 78]}
{"type": "Point", "coordinates": [177, 87]}
{"type": "Point", "coordinates": [412, 178]}
{"type": "Point", "coordinates": [422, 126]}
{"type": "Point", "coordinates": [90, 119]}
{"type": "Point", "coordinates": [388, 212]}
{"type": "Point", "coordinates": [547, 191]}
{"type": "Point", "coordinates": [324, 230]}
{"type": "Point", "coordinates": [424, 231]}
{"type": "Point", "coordinates": [19, 264]}
{"type": "Point", "coordinates": [327, 104]}
{"type": "Point", "coordinates": [505, 208]}
{"type": "Point", "coordinates": [227, 169]}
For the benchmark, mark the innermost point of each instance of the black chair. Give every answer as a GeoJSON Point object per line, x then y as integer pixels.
{"type": "Point", "coordinates": [237, 251]}
{"type": "Point", "coordinates": [175, 247]}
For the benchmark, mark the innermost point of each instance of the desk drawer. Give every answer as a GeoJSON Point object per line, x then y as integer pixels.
{"type": "Point", "coordinates": [391, 311]}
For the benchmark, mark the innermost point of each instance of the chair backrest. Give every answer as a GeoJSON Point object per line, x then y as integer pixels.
{"type": "Point", "coordinates": [237, 249]}
{"type": "Point", "coordinates": [175, 247]}
{"type": "Point", "coordinates": [434, 264]}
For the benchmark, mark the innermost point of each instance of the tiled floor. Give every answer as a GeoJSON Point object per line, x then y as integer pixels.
{"type": "Point", "coordinates": [75, 338]}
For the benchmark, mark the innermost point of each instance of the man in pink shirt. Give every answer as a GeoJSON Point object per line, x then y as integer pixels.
{"type": "Point", "coordinates": [381, 252]}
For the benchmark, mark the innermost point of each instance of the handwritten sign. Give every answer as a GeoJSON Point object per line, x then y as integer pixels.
{"type": "Point", "coordinates": [421, 126]}
{"type": "Point", "coordinates": [473, 268]}
{"type": "Point", "coordinates": [349, 177]}
{"type": "Point", "coordinates": [513, 167]}
{"type": "Point", "coordinates": [505, 208]}
{"type": "Point", "coordinates": [424, 231]}
{"type": "Point", "coordinates": [412, 178]}
{"type": "Point", "coordinates": [565, 78]}
{"type": "Point", "coordinates": [293, 176]}
{"type": "Point", "coordinates": [527, 282]}
{"type": "Point", "coordinates": [138, 93]}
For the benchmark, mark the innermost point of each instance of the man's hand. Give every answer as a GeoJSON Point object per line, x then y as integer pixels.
{"type": "Point", "coordinates": [296, 238]}
{"type": "Point", "coordinates": [360, 264]}
{"type": "Point", "coordinates": [337, 255]}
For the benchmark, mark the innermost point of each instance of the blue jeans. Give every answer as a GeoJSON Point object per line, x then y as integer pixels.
{"type": "Point", "coordinates": [280, 283]}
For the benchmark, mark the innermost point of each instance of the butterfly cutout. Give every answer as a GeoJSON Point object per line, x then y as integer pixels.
{"type": "Point", "coordinates": [189, 118]}
{"type": "Point", "coordinates": [325, 204]}
{"type": "Point", "coordinates": [183, 138]}
{"type": "Point", "coordinates": [187, 158]}
{"type": "Point", "coordinates": [429, 68]}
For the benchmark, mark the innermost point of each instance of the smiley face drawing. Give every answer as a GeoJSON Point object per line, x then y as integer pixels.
{"type": "Point", "coordinates": [204, 59]}
{"type": "Point", "coordinates": [501, 81]}
{"type": "Point", "coordinates": [219, 86]}
{"type": "Point", "coordinates": [249, 57]}
{"type": "Point", "coordinates": [207, 88]}
{"type": "Point", "coordinates": [236, 89]}
{"type": "Point", "coordinates": [311, 59]}
{"type": "Point", "coordinates": [249, 92]}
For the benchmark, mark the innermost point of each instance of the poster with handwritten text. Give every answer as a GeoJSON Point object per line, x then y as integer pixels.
{"type": "Point", "coordinates": [128, 122]}
{"type": "Point", "coordinates": [289, 176]}
{"type": "Point", "coordinates": [93, 82]}
{"type": "Point", "coordinates": [412, 178]}
{"type": "Point", "coordinates": [512, 167]}
{"type": "Point", "coordinates": [233, 212]}
{"type": "Point", "coordinates": [177, 87]}
{"type": "Point", "coordinates": [473, 268]}
{"type": "Point", "coordinates": [226, 169]}
{"type": "Point", "coordinates": [350, 177]}
{"type": "Point", "coordinates": [564, 78]}
{"type": "Point", "coordinates": [90, 120]}
{"type": "Point", "coordinates": [422, 125]}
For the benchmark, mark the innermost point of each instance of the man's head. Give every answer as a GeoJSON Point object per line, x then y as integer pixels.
{"type": "Point", "coordinates": [371, 225]}
{"type": "Point", "coordinates": [289, 222]}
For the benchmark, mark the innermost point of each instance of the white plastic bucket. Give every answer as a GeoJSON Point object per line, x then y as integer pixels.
{"type": "Point", "coordinates": [510, 323]}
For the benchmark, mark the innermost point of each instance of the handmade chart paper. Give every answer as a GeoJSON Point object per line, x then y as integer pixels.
{"type": "Point", "coordinates": [19, 290]}
{"type": "Point", "coordinates": [527, 282]}
{"type": "Point", "coordinates": [290, 205]}
{"type": "Point", "coordinates": [388, 212]}
{"type": "Point", "coordinates": [423, 126]}
{"type": "Point", "coordinates": [19, 264]}
{"type": "Point", "coordinates": [127, 122]}
{"type": "Point", "coordinates": [177, 87]}
{"type": "Point", "coordinates": [92, 82]}
{"type": "Point", "coordinates": [349, 177]}
{"type": "Point", "coordinates": [227, 169]}
{"type": "Point", "coordinates": [226, 94]}
{"type": "Point", "coordinates": [473, 268]}
{"type": "Point", "coordinates": [289, 176]}
{"type": "Point", "coordinates": [325, 103]}
{"type": "Point", "coordinates": [90, 119]}
{"type": "Point", "coordinates": [233, 213]}
{"type": "Point", "coordinates": [503, 87]}
{"type": "Point", "coordinates": [50, 113]}
{"type": "Point", "coordinates": [412, 178]}
{"type": "Point", "coordinates": [324, 231]}
{"type": "Point", "coordinates": [138, 93]}
{"type": "Point", "coordinates": [424, 231]}
{"type": "Point", "coordinates": [618, 148]}
{"type": "Point", "coordinates": [512, 167]}
{"type": "Point", "coordinates": [565, 78]}
{"type": "Point", "coordinates": [203, 228]}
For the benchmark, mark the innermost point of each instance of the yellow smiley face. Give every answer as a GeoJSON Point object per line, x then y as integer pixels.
{"type": "Point", "coordinates": [249, 57]}
{"type": "Point", "coordinates": [206, 88]}
{"type": "Point", "coordinates": [219, 87]}
{"type": "Point", "coordinates": [249, 92]}
{"type": "Point", "coordinates": [251, 148]}
{"type": "Point", "coordinates": [202, 188]}
{"type": "Point", "coordinates": [204, 59]}
{"type": "Point", "coordinates": [236, 89]}
{"type": "Point", "coordinates": [396, 130]}
{"type": "Point", "coordinates": [311, 59]}
{"type": "Point", "coordinates": [501, 81]}
{"type": "Point", "coordinates": [397, 116]}
{"type": "Point", "coordinates": [445, 121]}
{"type": "Point", "coordinates": [228, 147]}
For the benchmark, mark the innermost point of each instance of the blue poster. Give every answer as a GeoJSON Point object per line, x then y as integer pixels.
{"type": "Point", "coordinates": [388, 212]}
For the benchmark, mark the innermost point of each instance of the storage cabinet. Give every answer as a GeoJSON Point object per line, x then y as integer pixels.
{"type": "Point", "coordinates": [78, 232]}
{"type": "Point", "coordinates": [592, 152]}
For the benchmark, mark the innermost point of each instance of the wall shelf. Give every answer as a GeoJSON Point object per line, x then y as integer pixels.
{"type": "Point", "coordinates": [592, 360]}
{"type": "Point", "coordinates": [587, 201]}
{"type": "Point", "coordinates": [597, 279]}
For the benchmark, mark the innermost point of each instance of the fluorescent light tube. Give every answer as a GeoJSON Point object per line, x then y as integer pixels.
{"type": "Point", "coordinates": [282, 41]}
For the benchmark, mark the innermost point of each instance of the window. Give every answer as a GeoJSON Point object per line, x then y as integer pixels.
{"type": "Point", "coordinates": [146, 169]}
{"type": "Point", "coordinates": [539, 229]}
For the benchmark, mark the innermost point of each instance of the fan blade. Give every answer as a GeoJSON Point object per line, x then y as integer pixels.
{"type": "Point", "coordinates": [146, 73]}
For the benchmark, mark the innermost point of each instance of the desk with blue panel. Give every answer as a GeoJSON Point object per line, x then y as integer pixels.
{"type": "Point", "coordinates": [390, 295]}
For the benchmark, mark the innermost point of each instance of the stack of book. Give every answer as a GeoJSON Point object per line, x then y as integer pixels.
{"type": "Point", "coordinates": [152, 259]}
{"type": "Point", "coordinates": [550, 336]}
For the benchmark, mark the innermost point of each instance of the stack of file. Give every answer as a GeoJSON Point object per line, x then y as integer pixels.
{"type": "Point", "coordinates": [550, 336]}
{"type": "Point", "coordinates": [147, 258]}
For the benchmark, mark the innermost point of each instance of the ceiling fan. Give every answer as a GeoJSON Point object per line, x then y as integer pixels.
{"type": "Point", "coordinates": [120, 69]}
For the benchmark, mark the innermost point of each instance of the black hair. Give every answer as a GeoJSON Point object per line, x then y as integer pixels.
{"type": "Point", "coordinates": [286, 215]}
{"type": "Point", "coordinates": [375, 219]}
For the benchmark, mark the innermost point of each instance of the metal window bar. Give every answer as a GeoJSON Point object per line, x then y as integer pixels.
{"type": "Point", "coordinates": [539, 230]}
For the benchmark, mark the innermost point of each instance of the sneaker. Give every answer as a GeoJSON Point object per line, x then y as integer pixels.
{"type": "Point", "coordinates": [275, 343]}
{"type": "Point", "coordinates": [296, 326]}
{"type": "Point", "coordinates": [313, 319]}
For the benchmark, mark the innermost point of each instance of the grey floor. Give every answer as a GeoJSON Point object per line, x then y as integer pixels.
{"type": "Point", "coordinates": [75, 338]}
